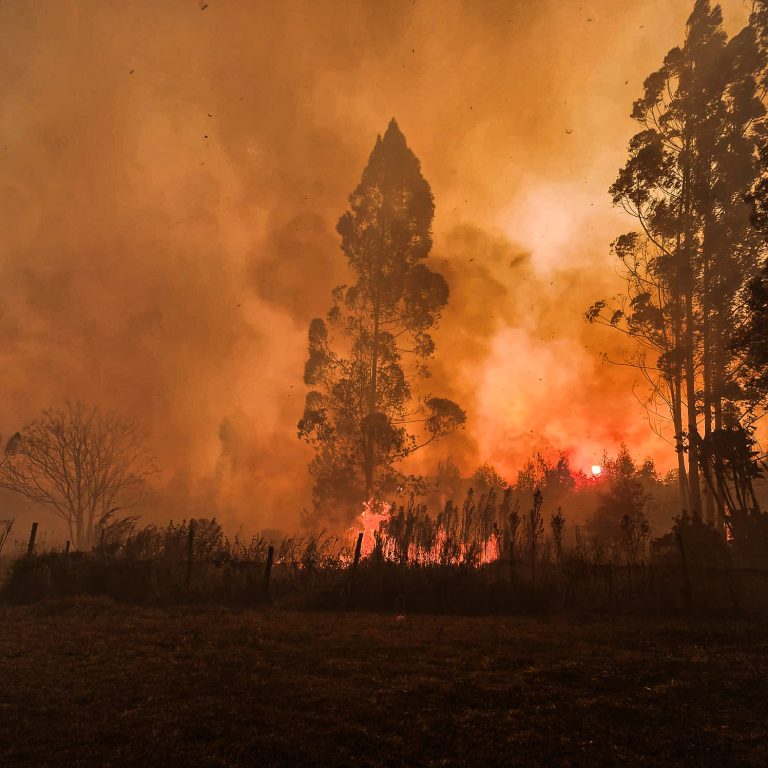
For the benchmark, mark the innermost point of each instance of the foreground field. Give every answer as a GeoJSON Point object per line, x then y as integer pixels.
{"type": "Point", "coordinates": [91, 683]}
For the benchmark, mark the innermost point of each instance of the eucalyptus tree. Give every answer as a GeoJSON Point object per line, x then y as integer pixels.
{"type": "Point", "coordinates": [362, 414]}
{"type": "Point", "coordinates": [686, 182]}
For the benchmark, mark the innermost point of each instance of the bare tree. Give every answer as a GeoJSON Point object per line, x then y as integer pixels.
{"type": "Point", "coordinates": [512, 519]}
{"type": "Point", "coordinates": [83, 464]}
{"type": "Point", "coordinates": [557, 523]}
{"type": "Point", "coordinates": [534, 529]}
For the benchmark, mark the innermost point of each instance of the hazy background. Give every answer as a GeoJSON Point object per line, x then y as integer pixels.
{"type": "Point", "coordinates": [170, 180]}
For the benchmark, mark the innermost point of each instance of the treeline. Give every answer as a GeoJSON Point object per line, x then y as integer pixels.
{"type": "Point", "coordinates": [595, 502]}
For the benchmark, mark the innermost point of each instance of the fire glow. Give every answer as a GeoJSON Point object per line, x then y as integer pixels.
{"type": "Point", "coordinates": [373, 515]}
{"type": "Point", "coordinates": [444, 549]}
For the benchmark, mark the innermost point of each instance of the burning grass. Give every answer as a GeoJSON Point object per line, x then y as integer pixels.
{"type": "Point", "coordinates": [482, 557]}
{"type": "Point", "coordinates": [88, 682]}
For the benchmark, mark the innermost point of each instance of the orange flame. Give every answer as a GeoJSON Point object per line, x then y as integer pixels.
{"type": "Point", "coordinates": [375, 512]}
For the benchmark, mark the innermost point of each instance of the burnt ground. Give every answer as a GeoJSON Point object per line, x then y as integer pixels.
{"type": "Point", "coordinates": [92, 683]}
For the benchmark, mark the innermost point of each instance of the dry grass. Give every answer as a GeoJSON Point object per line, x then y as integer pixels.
{"type": "Point", "coordinates": [88, 682]}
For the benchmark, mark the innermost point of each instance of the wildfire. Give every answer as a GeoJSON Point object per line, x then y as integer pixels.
{"type": "Point", "coordinates": [374, 513]}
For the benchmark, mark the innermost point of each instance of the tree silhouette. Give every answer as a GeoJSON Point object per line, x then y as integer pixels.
{"type": "Point", "coordinates": [82, 464]}
{"type": "Point", "coordinates": [751, 341]}
{"type": "Point", "coordinates": [487, 477]}
{"type": "Point", "coordinates": [622, 505]}
{"type": "Point", "coordinates": [534, 529]}
{"type": "Point", "coordinates": [751, 336]}
{"type": "Point", "coordinates": [361, 413]}
{"type": "Point", "coordinates": [687, 181]}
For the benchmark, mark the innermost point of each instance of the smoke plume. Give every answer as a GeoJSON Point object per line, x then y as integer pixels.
{"type": "Point", "coordinates": [171, 178]}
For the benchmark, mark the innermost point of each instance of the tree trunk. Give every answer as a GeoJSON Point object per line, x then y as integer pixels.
{"type": "Point", "coordinates": [719, 367]}
{"type": "Point", "coordinates": [677, 420]}
{"type": "Point", "coordinates": [370, 441]}
{"type": "Point", "coordinates": [707, 338]}
{"type": "Point", "coordinates": [689, 287]}
{"type": "Point", "coordinates": [693, 430]}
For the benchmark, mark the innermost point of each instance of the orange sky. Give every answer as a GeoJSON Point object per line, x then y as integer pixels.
{"type": "Point", "coordinates": [171, 178]}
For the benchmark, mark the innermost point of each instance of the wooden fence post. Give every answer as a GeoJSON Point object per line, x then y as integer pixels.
{"type": "Point", "coordinates": [358, 550]}
{"type": "Point", "coordinates": [32, 536]}
{"type": "Point", "coordinates": [355, 562]}
{"type": "Point", "coordinates": [268, 570]}
{"type": "Point", "coordinates": [190, 551]}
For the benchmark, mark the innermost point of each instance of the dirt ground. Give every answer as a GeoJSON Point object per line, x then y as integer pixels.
{"type": "Point", "coordinates": [91, 683]}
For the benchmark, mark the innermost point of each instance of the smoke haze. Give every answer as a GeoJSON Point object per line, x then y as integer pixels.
{"type": "Point", "coordinates": [171, 180]}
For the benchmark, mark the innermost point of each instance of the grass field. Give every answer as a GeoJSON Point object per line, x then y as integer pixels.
{"type": "Point", "coordinates": [93, 683]}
